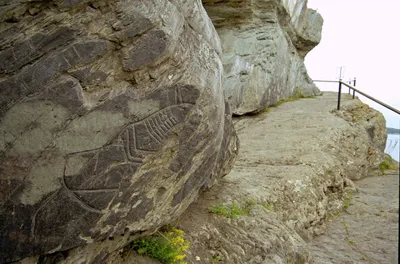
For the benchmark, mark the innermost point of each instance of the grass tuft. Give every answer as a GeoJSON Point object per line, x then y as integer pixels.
{"type": "Point", "coordinates": [387, 164]}
{"type": "Point", "coordinates": [229, 210]}
{"type": "Point", "coordinates": [346, 200]}
{"type": "Point", "coordinates": [268, 206]}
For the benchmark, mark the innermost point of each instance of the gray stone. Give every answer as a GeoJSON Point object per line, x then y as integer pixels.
{"type": "Point", "coordinates": [27, 51]}
{"type": "Point", "coordinates": [263, 55]}
{"type": "Point", "coordinates": [32, 79]}
{"type": "Point", "coordinates": [131, 25]}
{"type": "Point", "coordinates": [113, 119]}
{"type": "Point", "coordinates": [146, 50]}
{"type": "Point", "coordinates": [88, 76]}
{"type": "Point", "coordinates": [71, 3]}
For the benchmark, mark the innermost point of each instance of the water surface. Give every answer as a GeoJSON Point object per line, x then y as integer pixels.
{"type": "Point", "coordinates": [392, 146]}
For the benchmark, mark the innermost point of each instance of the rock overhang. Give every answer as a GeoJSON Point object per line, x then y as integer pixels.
{"type": "Point", "coordinates": [264, 44]}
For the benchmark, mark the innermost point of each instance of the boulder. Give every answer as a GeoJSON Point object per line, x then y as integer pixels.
{"type": "Point", "coordinates": [112, 118]}
{"type": "Point", "coordinates": [263, 45]}
{"type": "Point", "coordinates": [372, 126]}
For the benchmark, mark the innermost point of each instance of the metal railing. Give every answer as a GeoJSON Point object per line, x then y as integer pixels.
{"type": "Point", "coordinates": [352, 87]}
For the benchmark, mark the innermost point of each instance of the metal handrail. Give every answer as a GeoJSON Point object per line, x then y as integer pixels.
{"type": "Point", "coordinates": [351, 87]}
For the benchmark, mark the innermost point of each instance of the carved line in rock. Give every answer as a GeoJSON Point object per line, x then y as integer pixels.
{"type": "Point", "coordinates": [33, 223]}
{"type": "Point", "coordinates": [158, 126]}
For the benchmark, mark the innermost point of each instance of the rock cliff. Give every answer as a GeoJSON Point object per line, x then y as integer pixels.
{"type": "Point", "coordinates": [112, 119]}
{"type": "Point", "coordinates": [114, 115]}
{"type": "Point", "coordinates": [264, 44]}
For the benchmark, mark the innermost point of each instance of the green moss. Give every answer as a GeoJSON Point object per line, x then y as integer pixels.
{"type": "Point", "coordinates": [297, 94]}
{"type": "Point", "coordinates": [290, 99]}
{"type": "Point", "coordinates": [168, 247]}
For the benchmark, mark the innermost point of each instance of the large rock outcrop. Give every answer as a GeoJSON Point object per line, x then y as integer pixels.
{"type": "Point", "coordinates": [112, 117]}
{"type": "Point", "coordinates": [264, 44]}
{"type": "Point", "coordinates": [293, 172]}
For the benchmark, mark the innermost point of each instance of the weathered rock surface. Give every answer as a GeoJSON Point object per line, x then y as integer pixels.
{"type": "Point", "coordinates": [367, 232]}
{"type": "Point", "coordinates": [295, 165]}
{"type": "Point", "coordinates": [264, 44]}
{"type": "Point", "coordinates": [112, 117]}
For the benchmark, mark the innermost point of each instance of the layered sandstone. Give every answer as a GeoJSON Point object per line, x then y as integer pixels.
{"type": "Point", "coordinates": [264, 44]}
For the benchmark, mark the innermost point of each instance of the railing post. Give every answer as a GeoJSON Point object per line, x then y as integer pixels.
{"type": "Point", "coordinates": [354, 84]}
{"type": "Point", "coordinates": [349, 87]}
{"type": "Point", "coordinates": [339, 94]}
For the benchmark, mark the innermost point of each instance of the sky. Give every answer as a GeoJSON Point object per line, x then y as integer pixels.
{"type": "Point", "coordinates": [363, 36]}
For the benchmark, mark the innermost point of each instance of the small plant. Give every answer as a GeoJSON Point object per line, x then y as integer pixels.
{"type": "Point", "coordinates": [387, 164]}
{"type": "Point", "coordinates": [297, 93]}
{"type": "Point", "coordinates": [217, 259]}
{"type": "Point", "coordinates": [384, 166]}
{"type": "Point", "coordinates": [231, 211]}
{"type": "Point", "coordinates": [250, 203]}
{"type": "Point", "coordinates": [346, 200]}
{"type": "Point", "coordinates": [268, 206]}
{"type": "Point", "coordinates": [346, 226]}
{"type": "Point", "coordinates": [168, 247]}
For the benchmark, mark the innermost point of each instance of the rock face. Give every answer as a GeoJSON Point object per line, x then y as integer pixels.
{"type": "Point", "coordinates": [264, 44]}
{"type": "Point", "coordinates": [373, 127]}
{"type": "Point", "coordinates": [112, 117]}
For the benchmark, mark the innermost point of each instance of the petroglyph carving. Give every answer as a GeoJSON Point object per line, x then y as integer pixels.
{"type": "Point", "coordinates": [98, 181]}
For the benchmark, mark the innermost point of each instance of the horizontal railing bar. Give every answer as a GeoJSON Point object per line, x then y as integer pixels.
{"type": "Point", "coordinates": [372, 98]}
{"type": "Point", "coordinates": [325, 81]}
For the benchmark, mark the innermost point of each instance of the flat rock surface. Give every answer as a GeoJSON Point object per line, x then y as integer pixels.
{"type": "Point", "coordinates": [293, 170]}
{"type": "Point", "coordinates": [367, 232]}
